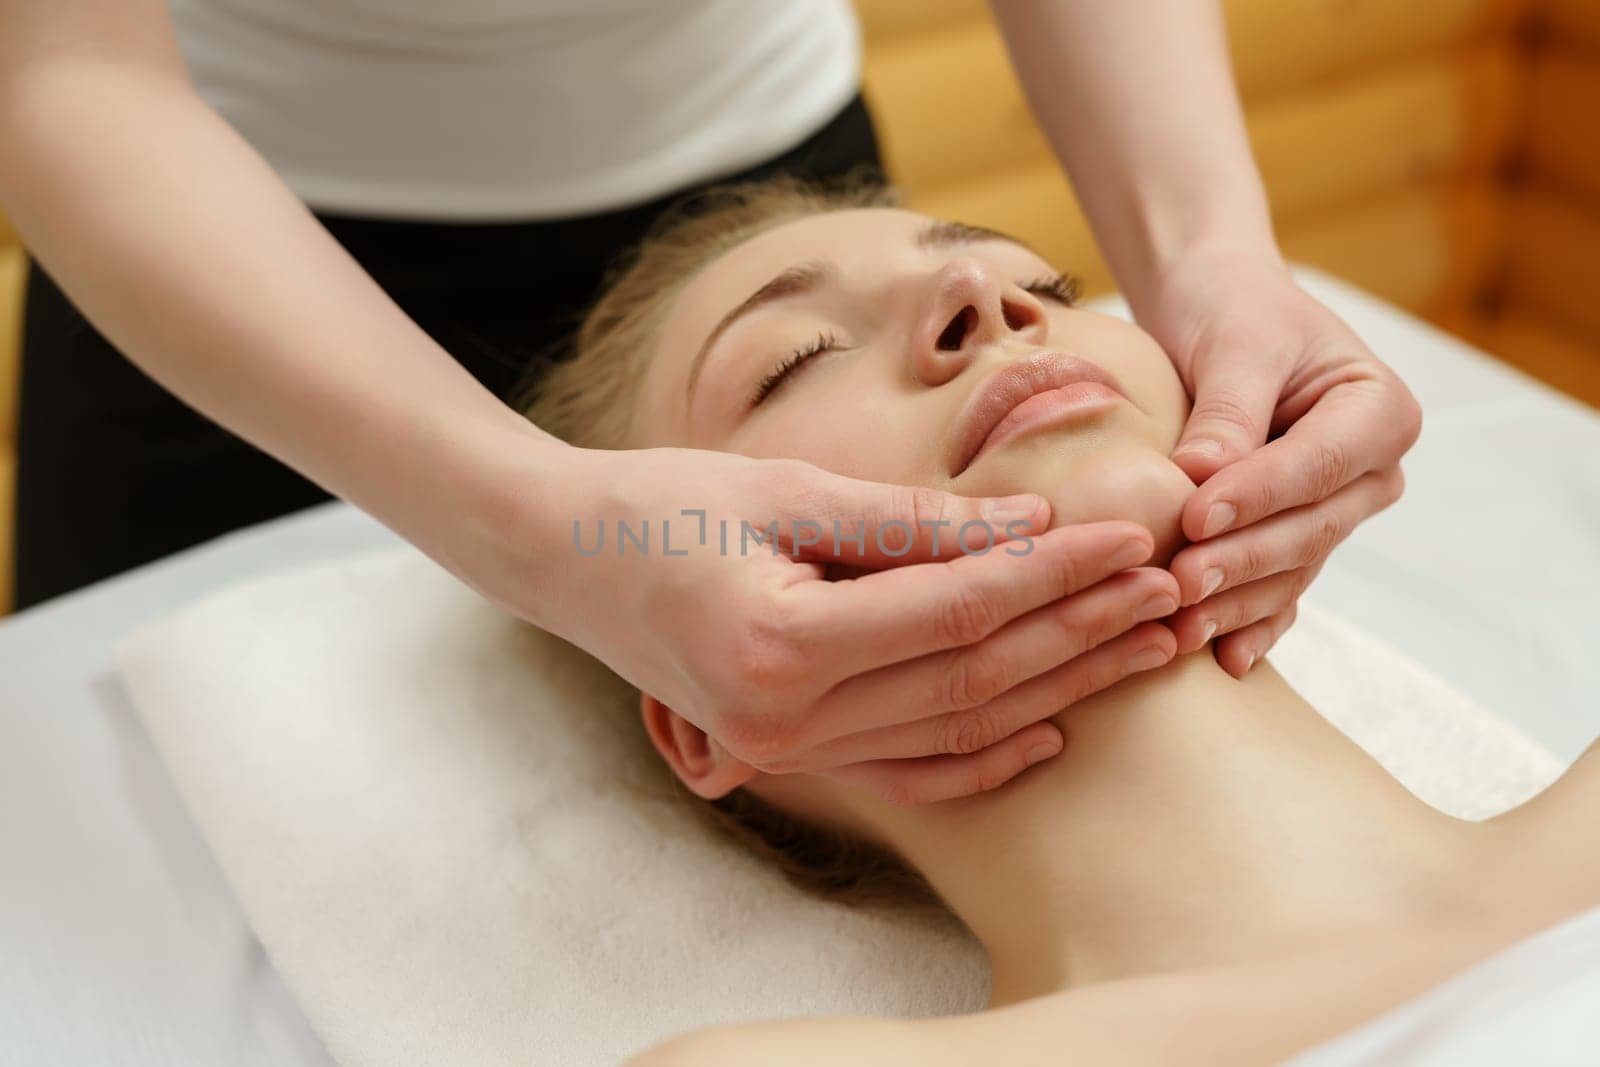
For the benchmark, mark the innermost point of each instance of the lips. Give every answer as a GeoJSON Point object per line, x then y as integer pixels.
{"type": "Point", "coordinates": [1025, 394]}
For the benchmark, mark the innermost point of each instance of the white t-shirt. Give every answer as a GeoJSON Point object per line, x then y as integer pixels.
{"type": "Point", "coordinates": [516, 109]}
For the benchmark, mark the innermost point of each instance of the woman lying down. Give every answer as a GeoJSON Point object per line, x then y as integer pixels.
{"type": "Point", "coordinates": [1209, 872]}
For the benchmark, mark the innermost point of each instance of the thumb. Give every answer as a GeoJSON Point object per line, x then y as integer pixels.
{"type": "Point", "coordinates": [870, 524]}
{"type": "Point", "coordinates": [1233, 405]}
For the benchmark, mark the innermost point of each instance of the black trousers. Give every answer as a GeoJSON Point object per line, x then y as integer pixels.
{"type": "Point", "coordinates": [114, 471]}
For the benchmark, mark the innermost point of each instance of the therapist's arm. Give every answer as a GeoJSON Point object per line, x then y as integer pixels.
{"type": "Point", "coordinates": [185, 249]}
{"type": "Point", "coordinates": [1138, 101]}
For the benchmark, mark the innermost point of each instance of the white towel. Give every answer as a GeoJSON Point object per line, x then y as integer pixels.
{"type": "Point", "coordinates": [454, 854]}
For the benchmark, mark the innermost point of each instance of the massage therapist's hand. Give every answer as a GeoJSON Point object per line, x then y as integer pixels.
{"type": "Point", "coordinates": [1264, 359]}
{"type": "Point", "coordinates": [922, 676]}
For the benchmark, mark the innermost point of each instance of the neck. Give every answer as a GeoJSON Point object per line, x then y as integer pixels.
{"type": "Point", "coordinates": [1193, 820]}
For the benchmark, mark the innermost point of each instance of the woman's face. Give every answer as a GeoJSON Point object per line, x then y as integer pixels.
{"type": "Point", "coordinates": [886, 345]}
{"type": "Point", "coordinates": [929, 340]}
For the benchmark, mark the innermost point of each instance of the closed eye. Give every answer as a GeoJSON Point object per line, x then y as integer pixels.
{"type": "Point", "coordinates": [1062, 288]}
{"type": "Point", "coordinates": [824, 342]}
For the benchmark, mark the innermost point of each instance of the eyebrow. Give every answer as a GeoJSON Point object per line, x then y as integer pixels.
{"type": "Point", "coordinates": [948, 234]}
{"type": "Point", "coordinates": [796, 281]}
{"type": "Point", "coordinates": [809, 277]}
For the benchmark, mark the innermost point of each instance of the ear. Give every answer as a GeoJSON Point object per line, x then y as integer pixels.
{"type": "Point", "coordinates": [694, 756]}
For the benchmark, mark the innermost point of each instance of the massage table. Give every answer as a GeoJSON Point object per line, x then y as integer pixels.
{"type": "Point", "coordinates": [122, 943]}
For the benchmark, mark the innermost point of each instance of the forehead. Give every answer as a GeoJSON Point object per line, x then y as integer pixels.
{"type": "Point", "coordinates": [721, 284]}
{"type": "Point", "coordinates": [861, 238]}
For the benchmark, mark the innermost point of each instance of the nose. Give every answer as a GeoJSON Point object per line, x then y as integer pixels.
{"type": "Point", "coordinates": [970, 305]}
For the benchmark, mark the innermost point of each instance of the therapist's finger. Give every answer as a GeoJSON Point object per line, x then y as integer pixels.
{"type": "Point", "coordinates": [830, 518]}
{"type": "Point", "coordinates": [1227, 612]}
{"type": "Point", "coordinates": [860, 624]}
{"type": "Point", "coordinates": [1143, 648]}
{"type": "Point", "coordinates": [930, 779]}
{"type": "Point", "coordinates": [1356, 426]}
{"type": "Point", "coordinates": [1287, 541]}
{"type": "Point", "coordinates": [981, 699]}
{"type": "Point", "coordinates": [1232, 413]}
{"type": "Point", "coordinates": [1241, 650]}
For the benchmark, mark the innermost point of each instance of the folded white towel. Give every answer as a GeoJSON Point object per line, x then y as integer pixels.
{"type": "Point", "coordinates": [454, 854]}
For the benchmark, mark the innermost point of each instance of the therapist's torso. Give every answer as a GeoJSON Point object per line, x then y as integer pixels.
{"type": "Point", "coordinates": [516, 109]}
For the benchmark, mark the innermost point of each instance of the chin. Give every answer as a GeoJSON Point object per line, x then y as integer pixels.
{"type": "Point", "coordinates": [1089, 480]}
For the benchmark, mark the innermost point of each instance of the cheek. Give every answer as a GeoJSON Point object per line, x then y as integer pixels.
{"type": "Point", "coordinates": [844, 426]}
{"type": "Point", "coordinates": [1163, 394]}
{"type": "Point", "coordinates": [1125, 482]}
{"type": "Point", "coordinates": [1093, 480]}
{"type": "Point", "coordinates": [1143, 367]}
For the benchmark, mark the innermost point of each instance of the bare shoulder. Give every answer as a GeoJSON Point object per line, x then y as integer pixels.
{"type": "Point", "coordinates": [1558, 831]}
{"type": "Point", "coordinates": [844, 1040]}
{"type": "Point", "coordinates": [1582, 779]}
{"type": "Point", "coordinates": [1243, 1013]}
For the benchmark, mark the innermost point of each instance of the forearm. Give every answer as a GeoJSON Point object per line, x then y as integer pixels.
{"type": "Point", "coordinates": [184, 248]}
{"type": "Point", "coordinates": [1138, 101]}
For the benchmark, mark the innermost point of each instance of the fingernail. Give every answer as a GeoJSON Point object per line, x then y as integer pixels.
{"type": "Point", "coordinates": [1131, 553]}
{"type": "Point", "coordinates": [1007, 509]}
{"type": "Point", "coordinates": [1218, 519]}
{"type": "Point", "coordinates": [1202, 446]}
{"type": "Point", "coordinates": [1251, 662]}
{"type": "Point", "coordinates": [1146, 659]}
{"type": "Point", "coordinates": [1210, 581]}
{"type": "Point", "coordinates": [1209, 632]}
{"type": "Point", "coordinates": [1040, 752]}
{"type": "Point", "coordinates": [1158, 605]}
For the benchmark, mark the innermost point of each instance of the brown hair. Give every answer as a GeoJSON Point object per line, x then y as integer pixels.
{"type": "Point", "coordinates": [590, 401]}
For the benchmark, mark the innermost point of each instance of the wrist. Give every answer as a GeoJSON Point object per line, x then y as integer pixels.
{"type": "Point", "coordinates": [1211, 271]}
{"type": "Point", "coordinates": [524, 509]}
{"type": "Point", "coordinates": [1176, 254]}
{"type": "Point", "coordinates": [490, 506]}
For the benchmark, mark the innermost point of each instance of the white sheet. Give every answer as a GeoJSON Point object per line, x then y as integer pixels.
{"type": "Point", "coordinates": [454, 854]}
{"type": "Point", "coordinates": [119, 942]}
